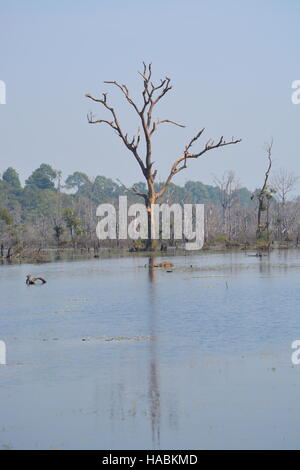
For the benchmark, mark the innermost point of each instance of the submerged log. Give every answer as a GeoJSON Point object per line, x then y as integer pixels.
{"type": "Point", "coordinates": [32, 280]}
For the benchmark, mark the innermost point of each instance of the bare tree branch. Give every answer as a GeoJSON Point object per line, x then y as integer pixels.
{"type": "Point", "coordinates": [284, 183]}
{"type": "Point", "coordinates": [133, 190]}
{"type": "Point", "coordinates": [156, 123]}
{"type": "Point", "coordinates": [269, 154]}
{"type": "Point", "coordinates": [186, 155]}
{"type": "Point", "coordinates": [125, 92]}
{"type": "Point", "coordinates": [133, 145]}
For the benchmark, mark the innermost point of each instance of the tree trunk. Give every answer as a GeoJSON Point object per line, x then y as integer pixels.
{"type": "Point", "coordinates": [259, 227]}
{"type": "Point", "coordinates": [150, 212]}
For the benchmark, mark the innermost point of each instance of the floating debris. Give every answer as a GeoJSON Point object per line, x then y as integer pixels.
{"type": "Point", "coordinates": [165, 264]}
{"type": "Point", "coordinates": [125, 338]}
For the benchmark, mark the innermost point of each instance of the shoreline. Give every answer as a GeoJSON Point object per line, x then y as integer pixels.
{"type": "Point", "coordinates": [50, 255]}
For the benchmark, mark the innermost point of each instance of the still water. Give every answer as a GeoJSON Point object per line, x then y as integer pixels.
{"type": "Point", "coordinates": [111, 355]}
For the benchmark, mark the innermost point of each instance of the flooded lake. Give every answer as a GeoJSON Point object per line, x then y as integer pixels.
{"type": "Point", "coordinates": [111, 355]}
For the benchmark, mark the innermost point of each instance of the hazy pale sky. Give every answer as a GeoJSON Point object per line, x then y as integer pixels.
{"type": "Point", "coordinates": [232, 64]}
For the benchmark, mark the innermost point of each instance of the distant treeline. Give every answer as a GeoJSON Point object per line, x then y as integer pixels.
{"type": "Point", "coordinates": [39, 194]}
{"type": "Point", "coordinates": [52, 211]}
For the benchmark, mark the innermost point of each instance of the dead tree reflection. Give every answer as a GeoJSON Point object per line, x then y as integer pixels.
{"type": "Point", "coordinates": [154, 381]}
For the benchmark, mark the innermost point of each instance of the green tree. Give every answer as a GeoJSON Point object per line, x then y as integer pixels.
{"type": "Point", "coordinates": [105, 189]}
{"type": "Point", "coordinates": [36, 201]}
{"type": "Point", "coordinates": [42, 178]}
{"type": "Point", "coordinates": [11, 177]}
{"type": "Point", "coordinates": [58, 232]}
{"type": "Point", "coordinates": [72, 222]}
{"type": "Point", "coordinates": [6, 216]}
{"type": "Point", "coordinates": [77, 179]}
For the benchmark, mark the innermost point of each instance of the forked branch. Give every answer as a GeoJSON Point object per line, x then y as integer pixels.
{"type": "Point", "coordinates": [180, 163]}
{"type": "Point", "coordinates": [133, 190]}
{"type": "Point", "coordinates": [114, 124]}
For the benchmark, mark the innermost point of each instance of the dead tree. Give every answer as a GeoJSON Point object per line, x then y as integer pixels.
{"type": "Point", "coordinates": [151, 95]}
{"type": "Point", "coordinates": [283, 182]}
{"type": "Point", "coordinates": [263, 197]}
{"type": "Point", "coordinates": [228, 188]}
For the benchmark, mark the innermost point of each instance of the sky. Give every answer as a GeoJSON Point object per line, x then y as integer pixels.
{"type": "Point", "coordinates": [232, 64]}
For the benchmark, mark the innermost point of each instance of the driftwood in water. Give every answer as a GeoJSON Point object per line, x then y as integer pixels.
{"type": "Point", "coordinates": [32, 280]}
{"type": "Point", "coordinates": [163, 265]}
